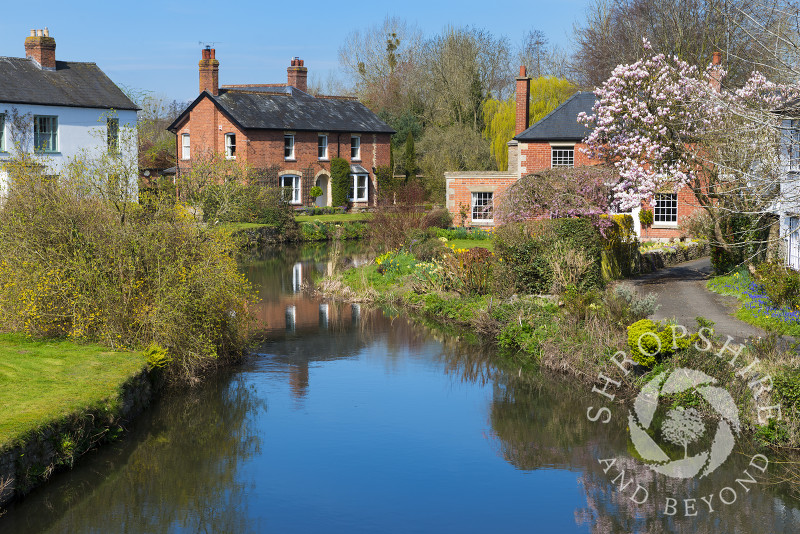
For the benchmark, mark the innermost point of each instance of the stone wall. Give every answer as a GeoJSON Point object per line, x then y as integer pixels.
{"type": "Point", "coordinates": [56, 446]}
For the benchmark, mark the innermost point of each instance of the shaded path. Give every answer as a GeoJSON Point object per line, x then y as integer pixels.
{"type": "Point", "coordinates": [682, 295]}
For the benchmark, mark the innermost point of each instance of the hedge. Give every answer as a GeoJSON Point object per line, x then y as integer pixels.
{"type": "Point", "coordinates": [340, 181]}
{"type": "Point", "coordinates": [524, 248]}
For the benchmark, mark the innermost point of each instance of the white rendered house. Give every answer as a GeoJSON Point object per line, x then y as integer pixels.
{"type": "Point", "coordinates": [61, 109]}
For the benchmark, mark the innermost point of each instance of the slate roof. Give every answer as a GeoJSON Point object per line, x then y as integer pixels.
{"type": "Point", "coordinates": [72, 84]}
{"type": "Point", "coordinates": [562, 124]}
{"type": "Point", "coordinates": [281, 108]}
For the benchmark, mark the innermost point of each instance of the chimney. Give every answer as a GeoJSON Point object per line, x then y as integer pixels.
{"type": "Point", "coordinates": [716, 75]}
{"type": "Point", "coordinates": [297, 75]}
{"type": "Point", "coordinates": [41, 48]}
{"type": "Point", "coordinates": [523, 101]}
{"type": "Point", "coordinates": [209, 72]}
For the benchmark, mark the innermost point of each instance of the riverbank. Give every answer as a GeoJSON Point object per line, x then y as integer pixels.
{"type": "Point", "coordinates": [60, 399]}
{"type": "Point", "coordinates": [582, 334]}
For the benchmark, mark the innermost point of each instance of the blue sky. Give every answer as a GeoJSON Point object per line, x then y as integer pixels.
{"type": "Point", "coordinates": [153, 46]}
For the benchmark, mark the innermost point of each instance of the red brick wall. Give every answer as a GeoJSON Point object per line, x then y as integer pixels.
{"type": "Point", "coordinates": [538, 156]}
{"type": "Point", "coordinates": [460, 188]}
{"type": "Point", "coordinates": [687, 205]}
{"type": "Point", "coordinates": [207, 127]}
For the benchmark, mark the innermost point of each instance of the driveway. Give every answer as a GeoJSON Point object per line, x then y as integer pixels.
{"type": "Point", "coordinates": [682, 295]}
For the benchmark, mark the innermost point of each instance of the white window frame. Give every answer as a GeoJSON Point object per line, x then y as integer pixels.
{"type": "Point", "coordinates": [48, 136]}
{"type": "Point", "coordinates": [322, 146]}
{"type": "Point", "coordinates": [665, 211]}
{"type": "Point", "coordinates": [186, 146]}
{"type": "Point", "coordinates": [230, 145]}
{"type": "Point", "coordinates": [479, 201]}
{"type": "Point", "coordinates": [293, 190]}
{"type": "Point", "coordinates": [794, 146]}
{"type": "Point", "coordinates": [353, 192]}
{"type": "Point", "coordinates": [355, 148]}
{"type": "Point", "coordinates": [793, 242]}
{"type": "Point", "coordinates": [2, 132]}
{"type": "Point", "coordinates": [288, 147]}
{"type": "Point", "coordinates": [562, 156]}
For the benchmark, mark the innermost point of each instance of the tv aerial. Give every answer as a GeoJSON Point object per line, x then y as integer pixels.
{"type": "Point", "coordinates": [208, 44]}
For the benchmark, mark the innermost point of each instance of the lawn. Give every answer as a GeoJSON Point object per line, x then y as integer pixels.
{"type": "Point", "coordinates": [44, 381]}
{"type": "Point", "coordinates": [337, 217]}
{"type": "Point", "coordinates": [471, 243]}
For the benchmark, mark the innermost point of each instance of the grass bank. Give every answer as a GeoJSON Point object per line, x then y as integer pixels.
{"type": "Point", "coordinates": [46, 381]}
{"type": "Point", "coordinates": [578, 333]}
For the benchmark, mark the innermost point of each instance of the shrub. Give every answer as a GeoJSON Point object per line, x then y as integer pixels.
{"type": "Point", "coordinates": [438, 218]}
{"type": "Point", "coordinates": [315, 192]}
{"type": "Point", "coordinates": [392, 225]}
{"type": "Point", "coordinates": [655, 339]}
{"type": "Point", "coordinates": [525, 248]}
{"type": "Point", "coordinates": [340, 181]}
{"type": "Point", "coordinates": [73, 268]}
{"type": "Point", "coordinates": [646, 217]}
{"type": "Point", "coordinates": [787, 384]}
{"type": "Point", "coordinates": [385, 184]}
{"type": "Point", "coordinates": [470, 270]}
{"type": "Point", "coordinates": [780, 283]}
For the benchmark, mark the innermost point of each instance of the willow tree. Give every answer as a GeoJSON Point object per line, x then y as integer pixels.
{"type": "Point", "coordinates": [547, 93]}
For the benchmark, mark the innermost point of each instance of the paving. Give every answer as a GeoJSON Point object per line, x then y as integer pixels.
{"type": "Point", "coordinates": [682, 295]}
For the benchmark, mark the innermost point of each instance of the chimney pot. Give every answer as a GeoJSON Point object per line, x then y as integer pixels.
{"type": "Point", "coordinates": [33, 33]}
{"type": "Point", "coordinates": [46, 32]}
{"type": "Point", "coordinates": [522, 71]}
{"type": "Point", "coordinates": [716, 58]}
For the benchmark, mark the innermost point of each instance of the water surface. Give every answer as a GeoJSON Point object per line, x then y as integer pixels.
{"type": "Point", "coordinates": [348, 419]}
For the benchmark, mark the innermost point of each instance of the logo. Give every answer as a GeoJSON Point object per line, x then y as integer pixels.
{"type": "Point", "coordinates": [683, 426]}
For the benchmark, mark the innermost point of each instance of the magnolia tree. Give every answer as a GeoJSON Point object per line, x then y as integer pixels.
{"type": "Point", "coordinates": [559, 192]}
{"type": "Point", "coordinates": [665, 124]}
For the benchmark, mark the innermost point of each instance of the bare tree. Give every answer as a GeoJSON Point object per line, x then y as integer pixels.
{"type": "Point", "coordinates": [540, 58]}
{"type": "Point", "coordinates": [690, 29]}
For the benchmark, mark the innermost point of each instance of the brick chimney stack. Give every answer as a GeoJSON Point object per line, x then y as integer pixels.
{"type": "Point", "coordinates": [297, 75]}
{"type": "Point", "coordinates": [716, 75]}
{"type": "Point", "coordinates": [209, 72]}
{"type": "Point", "coordinates": [41, 48]}
{"type": "Point", "coordinates": [523, 101]}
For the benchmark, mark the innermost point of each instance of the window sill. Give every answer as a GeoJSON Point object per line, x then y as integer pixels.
{"type": "Point", "coordinates": [230, 158]}
{"type": "Point", "coordinates": [664, 226]}
{"type": "Point", "coordinates": [483, 222]}
{"type": "Point", "coordinates": [289, 159]}
{"type": "Point", "coordinates": [323, 159]}
{"type": "Point", "coordinates": [46, 153]}
{"type": "Point", "coordinates": [356, 159]}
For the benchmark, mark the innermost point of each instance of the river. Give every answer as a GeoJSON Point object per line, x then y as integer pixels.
{"type": "Point", "coordinates": [348, 419]}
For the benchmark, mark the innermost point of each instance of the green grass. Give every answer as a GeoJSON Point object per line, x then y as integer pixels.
{"type": "Point", "coordinates": [45, 381]}
{"type": "Point", "coordinates": [339, 217]}
{"type": "Point", "coordinates": [471, 243]}
{"type": "Point", "coordinates": [242, 226]}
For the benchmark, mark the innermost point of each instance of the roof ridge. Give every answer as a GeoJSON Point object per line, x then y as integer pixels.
{"type": "Point", "coordinates": [337, 97]}
{"type": "Point", "coordinates": [245, 92]}
{"type": "Point", "coordinates": [238, 85]}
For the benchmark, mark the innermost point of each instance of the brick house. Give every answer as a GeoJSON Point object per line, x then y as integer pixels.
{"type": "Point", "coordinates": [556, 140]}
{"type": "Point", "coordinates": [60, 110]}
{"type": "Point", "coordinates": [282, 128]}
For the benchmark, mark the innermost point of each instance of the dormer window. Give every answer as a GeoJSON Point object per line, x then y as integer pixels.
{"type": "Point", "coordinates": [230, 146]}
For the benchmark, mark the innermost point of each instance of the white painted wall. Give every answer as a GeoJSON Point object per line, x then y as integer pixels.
{"type": "Point", "coordinates": [79, 129]}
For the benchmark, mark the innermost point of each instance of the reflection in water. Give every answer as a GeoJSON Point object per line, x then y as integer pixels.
{"type": "Point", "coordinates": [177, 472]}
{"type": "Point", "coordinates": [375, 424]}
